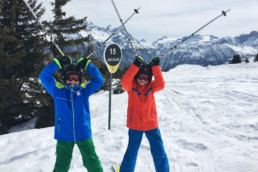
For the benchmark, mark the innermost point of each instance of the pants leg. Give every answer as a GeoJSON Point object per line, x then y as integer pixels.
{"type": "Point", "coordinates": [157, 150]}
{"type": "Point", "coordinates": [64, 151]}
{"type": "Point", "coordinates": [129, 160]}
{"type": "Point", "coordinates": [89, 157]}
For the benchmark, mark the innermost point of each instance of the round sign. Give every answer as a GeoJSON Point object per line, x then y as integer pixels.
{"type": "Point", "coordinates": [112, 57]}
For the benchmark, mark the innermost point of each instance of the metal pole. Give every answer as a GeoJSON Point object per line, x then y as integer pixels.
{"type": "Point", "coordinates": [223, 14]}
{"type": "Point", "coordinates": [109, 113]}
{"type": "Point", "coordinates": [120, 27]}
{"type": "Point", "coordinates": [120, 19]}
{"type": "Point", "coordinates": [44, 30]}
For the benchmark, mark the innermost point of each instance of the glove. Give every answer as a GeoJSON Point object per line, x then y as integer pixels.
{"type": "Point", "coordinates": [155, 61]}
{"type": "Point", "coordinates": [138, 61]}
{"type": "Point", "coordinates": [64, 61]}
{"type": "Point", "coordinates": [82, 63]}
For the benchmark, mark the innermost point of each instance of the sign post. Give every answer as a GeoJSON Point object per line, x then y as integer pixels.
{"type": "Point", "coordinates": [112, 58]}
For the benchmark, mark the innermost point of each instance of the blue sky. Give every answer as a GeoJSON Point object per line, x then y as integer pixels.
{"type": "Point", "coordinates": [171, 18]}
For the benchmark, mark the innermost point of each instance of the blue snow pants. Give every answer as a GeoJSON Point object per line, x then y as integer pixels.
{"type": "Point", "coordinates": [157, 150]}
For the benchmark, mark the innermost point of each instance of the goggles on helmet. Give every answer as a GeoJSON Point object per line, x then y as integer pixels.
{"type": "Point", "coordinates": [143, 77]}
{"type": "Point", "coordinates": [71, 77]}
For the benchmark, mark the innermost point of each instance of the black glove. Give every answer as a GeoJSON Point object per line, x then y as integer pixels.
{"type": "Point", "coordinates": [82, 63]}
{"type": "Point", "coordinates": [138, 61]}
{"type": "Point", "coordinates": [64, 61]}
{"type": "Point", "coordinates": [155, 61]}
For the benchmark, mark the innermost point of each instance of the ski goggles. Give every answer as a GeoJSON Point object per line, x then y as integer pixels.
{"type": "Point", "coordinates": [71, 77]}
{"type": "Point", "coordinates": [143, 77]}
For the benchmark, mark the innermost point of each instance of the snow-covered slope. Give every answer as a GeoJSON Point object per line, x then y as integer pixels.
{"type": "Point", "coordinates": [208, 119]}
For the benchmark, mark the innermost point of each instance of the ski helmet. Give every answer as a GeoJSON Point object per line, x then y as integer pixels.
{"type": "Point", "coordinates": [72, 69]}
{"type": "Point", "coordinates": [145, 69]}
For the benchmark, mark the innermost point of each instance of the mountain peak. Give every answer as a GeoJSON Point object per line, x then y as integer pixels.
{"type": "Point", "coordinates": [143, 40]}
{"type": "Point", "coordinates": [200, 49]}
{"type": "Point", "coordinates": [109, 27]}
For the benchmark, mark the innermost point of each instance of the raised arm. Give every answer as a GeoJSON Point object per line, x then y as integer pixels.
{"type": "Point", "coordinates": [46, 75]}
{"type": "Point", "coordinates": [47, 79]}
{"type": "Point", "coordinates": [97, 79]}
{"type": "Point", "coordinates": [127, 80]}
{"type": "Point", "coordinates": [158, 83]}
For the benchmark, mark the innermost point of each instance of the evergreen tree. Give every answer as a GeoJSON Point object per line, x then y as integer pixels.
{"type": "Point", "coordinates": [256, 58]}
{"type": "Point", "coordinates": [236, 59]}
{"type": "Point", "coordinates": [22, 49]}
{"type": "Point", "coordinates": [62, 27]}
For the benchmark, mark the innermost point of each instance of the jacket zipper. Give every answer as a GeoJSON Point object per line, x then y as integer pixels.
{"type": "Point", "coordinates": [131, 115]}
{"type": "Point", "coordinates": [87, 124]}
{"type": "Point", "coordinates": [58, 125]}
{"type": "Point", "coordinates": [73, 115]}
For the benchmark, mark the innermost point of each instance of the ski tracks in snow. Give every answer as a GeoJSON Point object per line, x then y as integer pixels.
{"type": "Point", "coordinates": [186, 119]}
{"type": "Point", "coordinates": [210, 118]}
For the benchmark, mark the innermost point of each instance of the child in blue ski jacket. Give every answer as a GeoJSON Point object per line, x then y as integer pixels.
{"type": "Point", "coordinates": [72, 112]}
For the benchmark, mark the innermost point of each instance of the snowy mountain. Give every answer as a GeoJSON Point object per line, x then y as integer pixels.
{"type": "Point", "coordinates": [203, 50]}
{"type": "Point", "coordinates": [207, 117]}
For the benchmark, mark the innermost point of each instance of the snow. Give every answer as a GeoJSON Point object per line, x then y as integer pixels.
{"type": "Point", "coordinates": [100, 36]}
{"type": "Point", "coordinates": [166, 39]}
{"type": "Point", "coordinates": [208, 117]}
{"type": "Point", "coordinates": [24, 126]}
{"type": "Point", "coordinates": [244, 49]}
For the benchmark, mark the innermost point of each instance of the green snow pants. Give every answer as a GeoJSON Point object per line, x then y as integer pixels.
{"type": "Point", "coordinates": [64, 151]}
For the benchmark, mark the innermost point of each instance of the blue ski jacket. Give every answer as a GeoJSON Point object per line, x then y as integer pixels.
{"type": "Point", "coordinates": [72, 112]}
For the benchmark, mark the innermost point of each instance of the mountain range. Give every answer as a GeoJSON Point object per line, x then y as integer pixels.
{"type": "Point", "coordinates": [200, 49]}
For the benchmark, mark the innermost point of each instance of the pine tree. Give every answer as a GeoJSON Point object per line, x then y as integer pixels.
{"type": "Point", "coordinates": [61, 27]}
{"type": "Point", "coordinates": [236, 59]}
{"type": "Point", "coordinates": [256, 58]}
{"type": "Point", "coordinates": [22, 50]}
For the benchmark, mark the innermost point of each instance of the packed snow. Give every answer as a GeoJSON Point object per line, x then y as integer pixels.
{"type": "Point", "coordinates": [208, 117]}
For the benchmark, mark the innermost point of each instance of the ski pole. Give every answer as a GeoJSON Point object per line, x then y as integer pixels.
{"type": "Point", "coordinates": [44, 30]}
{"type": "Point", "coordinates": [175, 46]}
{"type": "Point", "coordinates": [120, 19]}
{"type": "Point", "coordinates": [136, 11]}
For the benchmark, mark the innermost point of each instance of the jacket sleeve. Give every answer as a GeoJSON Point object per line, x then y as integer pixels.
{"type": "Point", "coordinates": [159, 82]}
{"type": "Point", "coordinates": [127, 80]}
{"type": "Point", "coordinates": [96, 81]}
{"type": "Point", "coordinates": [47, 79]}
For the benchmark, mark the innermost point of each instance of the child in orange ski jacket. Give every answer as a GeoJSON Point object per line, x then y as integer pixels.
{"type": "Point", "coordinates": [142, 113]}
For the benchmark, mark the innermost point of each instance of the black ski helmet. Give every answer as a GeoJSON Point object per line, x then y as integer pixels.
{"type": "Point", "coordinates": [145, 69]}
{"type": "Point", "coordinates": [72, 69]}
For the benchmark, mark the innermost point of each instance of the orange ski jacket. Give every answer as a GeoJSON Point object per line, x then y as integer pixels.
{"type": "Point", "coordinates": [141, 111]}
